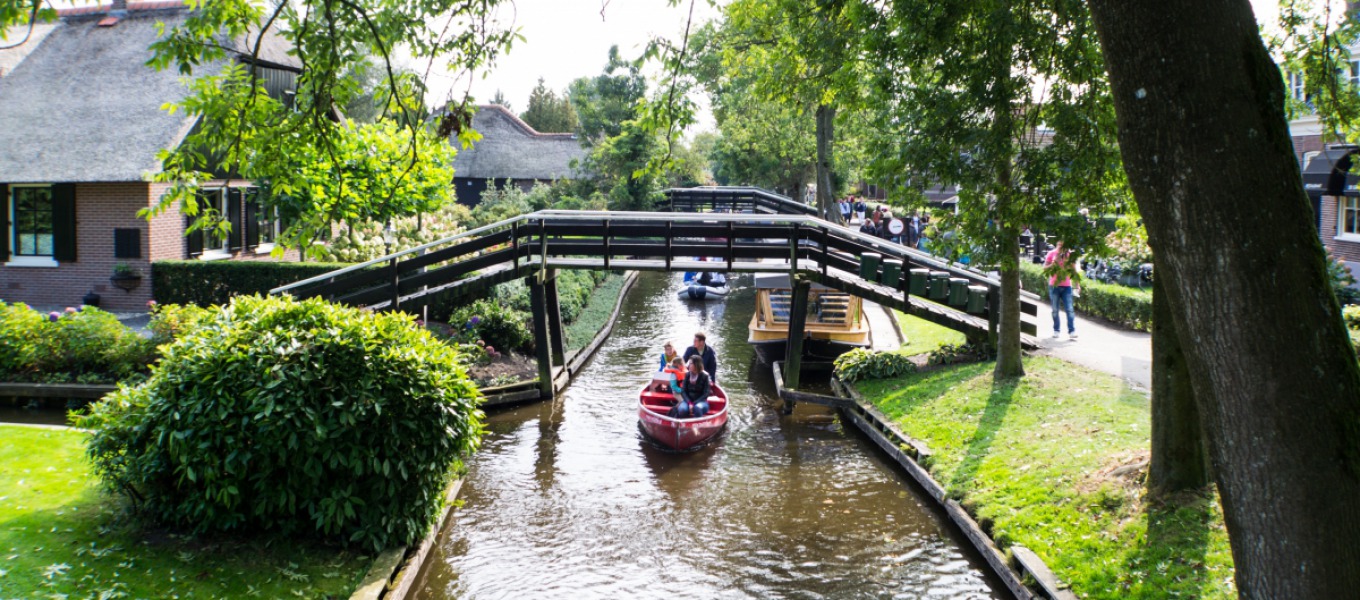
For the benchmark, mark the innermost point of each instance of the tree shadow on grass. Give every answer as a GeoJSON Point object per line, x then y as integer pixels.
{"type": "Point", "coordinates": [1171, 561]}
{"type": "Point", "coordinates": [979, 447]}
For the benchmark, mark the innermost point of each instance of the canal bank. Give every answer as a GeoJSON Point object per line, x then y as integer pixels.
{"type": "Point", "coordinates": [1055, 463]}
{"type": "Point", "coordinates": [568, 499]}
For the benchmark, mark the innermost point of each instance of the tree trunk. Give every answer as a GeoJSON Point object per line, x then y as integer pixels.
{"type": "Point", "coordinates": [1203, 135]}
{"type": "Point", "coordinates": [1178, 459]}
{"type": "Point", "coordinates": [1008, 353]}
{"type": "Point", "coordinates": [826, 134]}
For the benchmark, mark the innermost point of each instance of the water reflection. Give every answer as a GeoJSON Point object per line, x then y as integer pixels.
{"type": "Point", "coordinates": [567, 500]}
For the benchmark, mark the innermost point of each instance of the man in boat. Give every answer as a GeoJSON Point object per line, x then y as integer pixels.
{"type": "Point", "coordinates": [705, 353]}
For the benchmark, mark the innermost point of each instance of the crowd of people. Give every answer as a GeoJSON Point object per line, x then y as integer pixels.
{"type": "Point", "coordinates": [690, 377]}
{"type": "Point", "coordinates": [879, 221]}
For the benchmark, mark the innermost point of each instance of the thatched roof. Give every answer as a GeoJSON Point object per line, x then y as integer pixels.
{"type": "Point", "coordinates": [83, 106]}
{"type": "Point", "coordinates": [511, 149]}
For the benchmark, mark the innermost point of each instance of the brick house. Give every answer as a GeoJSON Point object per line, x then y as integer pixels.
{"type": "Point", "coordinates": [83, 123]}
{"type": "Point", "coordinates": [512, 153]}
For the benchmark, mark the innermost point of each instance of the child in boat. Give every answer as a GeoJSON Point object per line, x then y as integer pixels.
{"type": "Point", "coordinates": [668, 354]}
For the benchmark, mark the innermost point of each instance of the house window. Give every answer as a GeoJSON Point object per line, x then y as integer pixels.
{"type": "Point", "coordinates": [32, 221]}
{"type": "Point", "coordinates": [216, 200]}
{"type": "Point", "coordinates": [1296, 87]}
{"type": "Point", "coordinates": [1348, 218]}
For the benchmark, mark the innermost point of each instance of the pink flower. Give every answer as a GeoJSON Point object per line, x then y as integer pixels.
{"type": "Point", "coordinates": [151, 304]}
{"type": "Point", "coordinates": [491, 350]}
{"type": "Point", "coordinates": [53, 316]}
{"type": "Point", "coordinates": [70, 311]}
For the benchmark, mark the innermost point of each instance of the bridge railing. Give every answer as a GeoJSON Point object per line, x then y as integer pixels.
{"type": "Point", "coordinates": [627, 240]}
{"type": "Point", "coordinates": [723, 199]}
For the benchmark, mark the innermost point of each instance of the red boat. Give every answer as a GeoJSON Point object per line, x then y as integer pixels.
{"type": "Point", "coordinates": [680, 434]}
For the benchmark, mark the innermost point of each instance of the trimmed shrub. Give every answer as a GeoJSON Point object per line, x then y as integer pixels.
{"type": "Point", "coordinates": [1130, 307]}
{"type": "Point", "coordinates": [495, 325]}
{"type": "Point", "coordinates": [170, 321]}
{"type": "Point", "coordinates": [85, 346]}
{"type": "Point", "coordinates": [208, 283]}
{"type": "Point", "coordinates": [307, 418]}
{"type": "Point", "coordinates": [860, 364]}
{"type": "Point", "coordinates": [950, 354]}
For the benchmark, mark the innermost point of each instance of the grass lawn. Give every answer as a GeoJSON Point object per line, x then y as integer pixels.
{"type": "Point", "coordinates": [1032, 460]}
{"type": "Point", "coordinates": [924, 336]}
{"type": "Point", "coordinates": [61, 535]}
{"type": "Point", "coordinates": [595, 313]}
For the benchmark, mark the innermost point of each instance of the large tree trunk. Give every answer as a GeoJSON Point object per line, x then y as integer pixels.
{"type": "Point", "coordinates": [826, 134]}
{"type": "Point", "coordinates": [1008, 352]}
{"type": "Point", "coordinates": [1204, 140]}
{"type": "Point", "coordinates": [1179, 461]}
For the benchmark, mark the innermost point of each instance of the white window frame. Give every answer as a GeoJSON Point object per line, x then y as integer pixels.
{"type": "Point", "coordinates": [1341, 208]}
{"type": "Point", "coordinates": [1296, 87]}
{"type": "Point", "coordinates": [267, 247]}
{"type": "Point", "coordinates": [14, 259]}
{"type": "Point", "coordinates": [211, 252]}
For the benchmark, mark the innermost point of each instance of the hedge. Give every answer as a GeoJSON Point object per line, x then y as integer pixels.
{"type": "Point", "coordinates": [206, 283]}
{"type": "Point", "coordinates": [1118, 304]}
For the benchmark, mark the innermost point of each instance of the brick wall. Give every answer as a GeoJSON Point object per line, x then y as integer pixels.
{"type": "Point", "coordinates": [1341, 249]}
{"type": "Point", "coordinates": [100, 207]}
{"type": "Point", "coordinates": [1306, 143]}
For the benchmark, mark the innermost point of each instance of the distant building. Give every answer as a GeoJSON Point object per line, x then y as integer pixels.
{"type": "Point", "coordinates": [82, 126]}
{"type": "Point", "coordinates": [512, 153]}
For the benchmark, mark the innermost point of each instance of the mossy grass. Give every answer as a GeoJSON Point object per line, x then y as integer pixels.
{"type": "Point", "coordinates": [1038, 460]}
{"type": "Point", "coordinates": [62, 535]}
{"type": "Point", "coordinates": [924, 336]}
{"type": "Point", "coordinates": [595, 313]}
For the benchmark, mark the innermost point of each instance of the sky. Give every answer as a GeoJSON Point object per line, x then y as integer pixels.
{"type": "Point", "coordinates": [567, 39]}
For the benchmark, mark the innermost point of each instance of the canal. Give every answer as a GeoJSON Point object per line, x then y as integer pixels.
{"type": "Point", "coordinates": [567, 499]}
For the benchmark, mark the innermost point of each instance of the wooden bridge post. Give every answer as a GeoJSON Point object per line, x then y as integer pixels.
{"type": "Point", "coordinates": [542, 343]}
{"type": "Point", "coordinates": [556, 333]}
{"type": "Point", "coordinates": [793, 356]}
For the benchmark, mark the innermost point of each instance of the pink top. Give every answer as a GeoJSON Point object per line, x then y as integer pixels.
{"type": "Point", "coordinates": [1050, 259]}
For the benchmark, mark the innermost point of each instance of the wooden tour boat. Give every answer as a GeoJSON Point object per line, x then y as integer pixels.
{"type": "Point", "coordinates": [680, 434]}
{"type": "Point", "coordinates": [835, 323]}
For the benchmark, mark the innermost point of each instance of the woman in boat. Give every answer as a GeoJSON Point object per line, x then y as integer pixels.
{"type": "Point", "coordinates": [668, 355]}
{"type": "Point", "coordinates": [694, 392]}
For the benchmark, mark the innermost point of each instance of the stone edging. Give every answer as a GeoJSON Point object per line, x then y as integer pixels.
{"type": "Point", "coordinates": [904, 450]}
{"type": "Point", "coordinates": [394, 571]}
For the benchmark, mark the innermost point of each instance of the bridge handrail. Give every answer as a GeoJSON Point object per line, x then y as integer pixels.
{"type": "Point", "coordinates": [917, 256]}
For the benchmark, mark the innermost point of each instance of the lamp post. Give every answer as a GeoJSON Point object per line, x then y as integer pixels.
{"type": "Point", "coordinates": [390, 239]}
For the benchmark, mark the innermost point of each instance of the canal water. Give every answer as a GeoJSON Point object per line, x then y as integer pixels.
{"type": "Point", "coordinates": [568, 499]}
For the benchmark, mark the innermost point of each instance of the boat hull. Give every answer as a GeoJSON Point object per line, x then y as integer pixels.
{"type": "Point", "coordinates": [680, 434]}
{"type": "Point", "coordinates": [703, 293]}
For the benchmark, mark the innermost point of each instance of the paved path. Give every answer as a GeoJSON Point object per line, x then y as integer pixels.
{"type": "Point", "coordinates": [884, 334]}
{"type": "Point", "coordinates": [1114, 350]}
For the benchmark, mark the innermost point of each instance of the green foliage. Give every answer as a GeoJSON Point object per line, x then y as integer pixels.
{"type": "Point", "coordinates": [1342, 281]}
{"type": "Point", "coordinates": [498, 326]}
{"type": "Point", "coordinates": [244, 130]}
{"type": "Point", "coordinates": [170, 321]}
{"type": "Point", "coordinates": [860, 364]}
{"type": "Point", "coordinates": [363, 241]}
{"type": "Point", "coordinates": [206, 283]}
{"type": "Point", "coordinates": [1351, 314]}
{"type": "Point", "coordinates": [598, 309]}
{"type": "Point", "coordinates": [305, 418]}
{"type": "Point", "coordinates": [1121, 305]}
{"type": "Point", "coordinates": [547, 113]}
{"type": "Point", "coordinates": [951, 354]}
{"type": "Point", "coordinates": [82, 346]}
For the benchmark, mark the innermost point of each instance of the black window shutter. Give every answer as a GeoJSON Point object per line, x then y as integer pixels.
{"type": "Point", "coordinates": [4, 222]}
{"type": "Point", "coordinates": [127, 243]}
{"type": "Point", "coordinates": [64, 222]}
{"type": "Point", "coordinates": [252, 219]}
{"type": "Point", "coordinates": [234, 217]}
{"type": "Point", "coordinates": [193, 241]}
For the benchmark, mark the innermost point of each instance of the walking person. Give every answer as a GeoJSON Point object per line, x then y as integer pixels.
{"type": "Point", "coordinates": [860, 208]}
{"type": "Point", "coordinates": [1060, 289]}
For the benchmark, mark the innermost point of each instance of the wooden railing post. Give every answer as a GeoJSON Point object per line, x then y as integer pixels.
{"type": "Point", "coordinates": [793, 351]}
{"type": "Point", "coordinates": [606, 244]}
{"type": "Point", "coordinates": [556, 333]}
{"type": "Point", "coordinates": [542, 343]}
{"type": "Point", "coordinates": [396, 286]}
{"type": "Point", "coordinates": [731, 243]}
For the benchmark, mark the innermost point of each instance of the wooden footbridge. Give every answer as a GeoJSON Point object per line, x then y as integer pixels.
{"type": "Point", "coordinates": [751, 231]}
